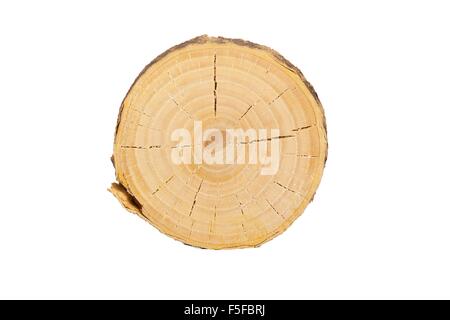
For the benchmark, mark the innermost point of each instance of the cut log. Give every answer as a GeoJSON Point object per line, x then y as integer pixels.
{"type": "Point", "coordinates": [220, 143]}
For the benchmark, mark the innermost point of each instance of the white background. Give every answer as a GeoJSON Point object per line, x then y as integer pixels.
{"type": "Point", "coordinates": [379, 226]}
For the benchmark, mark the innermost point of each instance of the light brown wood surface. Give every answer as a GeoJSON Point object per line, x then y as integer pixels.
{"type": "Point", "coordinates": [225, 83]}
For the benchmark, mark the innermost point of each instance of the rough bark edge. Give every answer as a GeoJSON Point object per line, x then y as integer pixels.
{"type": "Point", "coordinates": [127, 200]}
{"type": "Point", "coordinates": [130, 202]}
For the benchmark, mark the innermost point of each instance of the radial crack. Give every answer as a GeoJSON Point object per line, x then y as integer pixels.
{"type": "Point", "coordinates": [142, 112]}
{"type": "Point", "coordinates": [284, 187]}
{"type": "Point", "coordinates": [195, 198]}
{"type": "Point", "coordinates": [159, 187]}
{"type": "Point", "coordinates": [244, 230]}
{"type": "Point", "coordinates": [180, 107]}
{"type": "Point", "coordinates": [213, 221]}
{"type": "Point", "coordinates": [278, 96]}
{"type": "Point", "coordinates": [240, 205]}
{"type": "Point", "coordinates": [303, 128]}
{"type": "Point", "coordinates": [251, 106]}
{"type": "Point", "coordinates": [182, 146]}
{"type": "Point", "coordinates": [268, 139]}
{"type": "Point", "coordinates": [141, 147]}
{"type": "Point", "coordinates": [276, 211]}
{"type": "Point", "coordinates": [190, 230]}
{"type": "Point", "coordinates": [215, 85]}
{"type": "Point", "coordinates": [300, 155]}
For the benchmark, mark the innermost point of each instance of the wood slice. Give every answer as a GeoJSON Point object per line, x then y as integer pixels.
{"type": "Point", "coordinates": [224, 83]}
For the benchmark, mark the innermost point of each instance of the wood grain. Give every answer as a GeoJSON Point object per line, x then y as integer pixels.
{"type": "Point", "coordinates": [225, 83]}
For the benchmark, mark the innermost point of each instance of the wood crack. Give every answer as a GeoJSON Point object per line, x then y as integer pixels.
{"type": "Point", "coordinates": [215, 85]}
{"type": "Point", "coordinates": [303, 128]}
{"type": "Point", "coordinates": [195, 198]}
{"type": "Point", "coordinates": [180, 107]}
{"type": "Point", "coordinates": [268, 139]}
{"type": "Point", "coordinates": [300, 155]}
{"type": "Point", "coordinates": [251, 106]}
{"type": "Point", "coordinates": [159, 187]}
{"type": "Point", "coordinates": [286, 188]}
{"type": "Point", "coordinates": [141, 147]}
{"type": "Point", "coordinates": [278, 96]}
{"type": "Point", "coordinates": [142, 112]}
{"type": "Point", "coordinates": [240, 204]}
{"type": "Point", "coordinates": [275, 210]}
